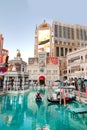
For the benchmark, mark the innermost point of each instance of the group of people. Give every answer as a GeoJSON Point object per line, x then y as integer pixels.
{"type": "Point", "coordinates": [77, 82]}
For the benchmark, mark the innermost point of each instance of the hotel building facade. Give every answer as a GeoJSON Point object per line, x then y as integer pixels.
{"type": "Point", "coordinates": [55, 42]}
{"type": "Point", "coordinates": [3, 60]}
{"type": "Point", "coordinates": [77, 64]}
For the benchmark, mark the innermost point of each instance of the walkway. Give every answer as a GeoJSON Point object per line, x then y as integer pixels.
{"type": "Point", "coordinates": [79, 110]}
{"type": "Point", "coordinates": [2, 93]}
{"type": "Point", "coordinates": [82, 97]}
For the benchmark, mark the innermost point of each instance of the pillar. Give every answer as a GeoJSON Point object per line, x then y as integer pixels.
{"type": "Point", "coordinates": [5, 85]}
{"type": "Point", "coordinates": [23, 82]}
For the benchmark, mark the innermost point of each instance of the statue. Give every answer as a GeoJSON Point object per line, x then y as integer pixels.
{"type": "Point", "coordinates": [18, 53]}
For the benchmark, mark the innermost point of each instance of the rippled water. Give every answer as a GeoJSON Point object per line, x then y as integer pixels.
{"type": "Point", "coordinates": [21, 112]}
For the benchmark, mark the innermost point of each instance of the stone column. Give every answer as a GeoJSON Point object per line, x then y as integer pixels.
{"type": "Point", "coordinates": [5, 85]}
{"type": "Point", "coordinates": [63, 51]}
{"type": "Point", "coordinates": [17, 83]}
{"type": "Point", "coordinates": [59, 51]}
{"type": "Point", "coordinates": [14, 83]}
{"type": "Point", "coordinates": [23, 82]}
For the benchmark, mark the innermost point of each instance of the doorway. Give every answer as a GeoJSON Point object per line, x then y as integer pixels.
{"type": "Point", "coordinates": [42, 80]}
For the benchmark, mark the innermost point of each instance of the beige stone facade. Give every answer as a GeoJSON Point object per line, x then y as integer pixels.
{"type": "Point", "coordinates": [16, 78]}
{"type": "Point", "coordinates": [47, 67]}
{"type": "Point", "coordinates": [3, 60]}
{"type": "Point", "coordinates": [77, 63]}
{"type": "Point", "coordinates": [57, 41]}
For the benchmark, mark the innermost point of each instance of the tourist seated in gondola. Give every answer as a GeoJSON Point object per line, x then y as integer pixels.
{"type": "Point", "coordinates": [38, 96]}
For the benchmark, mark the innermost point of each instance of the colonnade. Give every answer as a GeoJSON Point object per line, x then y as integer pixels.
{"type": "Point", "coordinates": [15, 82]}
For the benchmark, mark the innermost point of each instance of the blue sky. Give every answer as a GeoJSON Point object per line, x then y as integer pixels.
{"type": "Point", "coordinates": [18, 20]}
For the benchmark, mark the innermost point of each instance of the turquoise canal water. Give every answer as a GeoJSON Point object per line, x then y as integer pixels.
{"type": "Point", "coordinates": [21, 112]}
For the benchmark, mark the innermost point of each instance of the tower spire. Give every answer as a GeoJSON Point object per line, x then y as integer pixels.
{"type": "Point", "coordinates": [44, 21]}
{"type": "Point", "coordinates": [36, 26]}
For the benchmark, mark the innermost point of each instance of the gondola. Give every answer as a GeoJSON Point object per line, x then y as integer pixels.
{"type": "Point", "coordinates": [53, 100]}
{"type": "Point", "coordinates": [38, 97]}
{"type": "Point", "coordinates": [67, 99]}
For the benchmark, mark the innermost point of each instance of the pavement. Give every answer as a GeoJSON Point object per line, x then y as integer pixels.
{"type": "Point", "coordinates": [82, 98]}
{"type": "Point", "coordinates": [2, 93]}
{"type": "Point", "coordinates": [13, 92]}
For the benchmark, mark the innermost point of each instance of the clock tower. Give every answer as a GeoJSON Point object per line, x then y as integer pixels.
{"type": "Point", "coordinates": [43, 39]}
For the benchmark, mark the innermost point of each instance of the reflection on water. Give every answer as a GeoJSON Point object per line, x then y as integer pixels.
{"type": "Point", "coordinates": [22, 112]}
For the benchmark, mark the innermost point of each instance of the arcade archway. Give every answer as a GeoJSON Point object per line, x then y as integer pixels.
{"type": "Point", "coordinates": [42, 80]}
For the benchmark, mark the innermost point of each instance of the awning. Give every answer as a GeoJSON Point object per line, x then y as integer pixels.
{"type": "Point", "coordinates": [42, 77]}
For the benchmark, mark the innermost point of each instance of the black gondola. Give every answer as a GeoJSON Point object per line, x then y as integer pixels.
{"type": "Point", "coordinates": [38, 97]}
{"type": "Point", "coordinates": [67, 99]}
{"type": "Point", "coordinates": [53, 100]}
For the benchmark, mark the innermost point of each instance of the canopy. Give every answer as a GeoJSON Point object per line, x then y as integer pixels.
{"type": "Point", "coordinates": [42, 77]}
{"type": "Point", "coordinates": [57, 81]}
